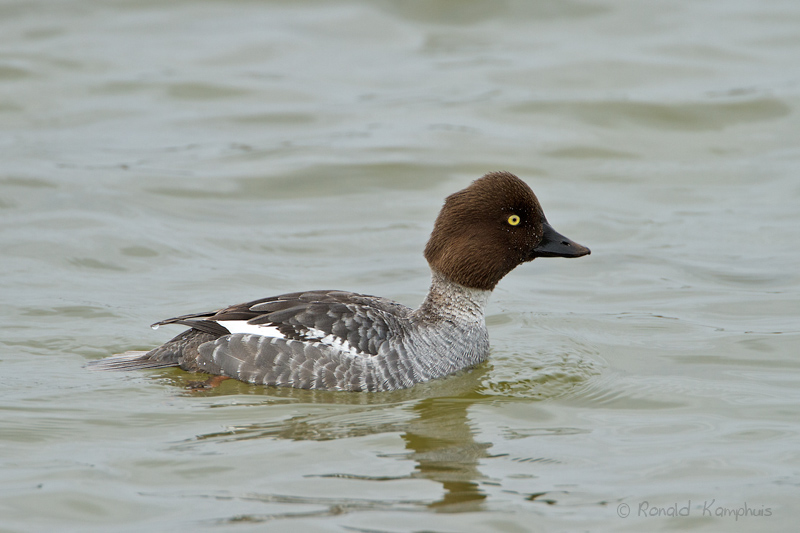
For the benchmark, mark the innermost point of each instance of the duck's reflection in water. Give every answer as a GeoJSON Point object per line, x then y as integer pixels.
{"type": "Point", "coordinates": [432, 419]}
{"type": "Point", "coordinates": [442, 444]}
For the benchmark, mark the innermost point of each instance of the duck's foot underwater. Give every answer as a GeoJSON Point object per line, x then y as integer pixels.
{"type": "Point", "coordinates": [207, 384]}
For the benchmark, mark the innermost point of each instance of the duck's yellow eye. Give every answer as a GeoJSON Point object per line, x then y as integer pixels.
{"type": "Point", "coordinates": [513, 220]}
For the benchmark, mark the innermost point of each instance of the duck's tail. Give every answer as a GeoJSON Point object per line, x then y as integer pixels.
{"type": "Point", "coordinates": [180, 351]}
{"type": "Point", "coordinates": [132, 360]}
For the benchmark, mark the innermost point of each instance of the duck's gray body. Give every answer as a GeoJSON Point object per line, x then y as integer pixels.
{"type": "Point", "coordinates": [330, 340]}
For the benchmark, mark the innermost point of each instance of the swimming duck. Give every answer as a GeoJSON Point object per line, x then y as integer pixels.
{"type": "Point", "coordinates": [343, 341]}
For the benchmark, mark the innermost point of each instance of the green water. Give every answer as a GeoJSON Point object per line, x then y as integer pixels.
{"type": "Point", "coordinates": [160, 159]}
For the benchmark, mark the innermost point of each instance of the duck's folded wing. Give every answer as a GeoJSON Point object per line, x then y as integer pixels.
{"type": "Point", "coordinates": [353, 323]}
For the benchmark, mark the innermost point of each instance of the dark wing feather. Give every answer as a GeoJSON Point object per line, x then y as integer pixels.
{"type": "Point", "coordinates": [198, 321]}
{"type": "Point", "coordinates": [206, 326]}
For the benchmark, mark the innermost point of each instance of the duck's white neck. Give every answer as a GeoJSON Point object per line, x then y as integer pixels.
{"type": "Point", "coordinates": [449, 300]}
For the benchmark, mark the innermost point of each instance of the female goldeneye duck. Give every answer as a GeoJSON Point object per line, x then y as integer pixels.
{"type": "Point", "coordinates": [335, 340]}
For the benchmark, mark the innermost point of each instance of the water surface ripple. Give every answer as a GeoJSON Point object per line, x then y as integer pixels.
{"type": "Point", "coordinates": [163, 158]}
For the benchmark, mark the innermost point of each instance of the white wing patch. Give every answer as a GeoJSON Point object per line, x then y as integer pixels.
{"type": "Point", "coordinates": [333, 341]}
{"type": "Point", "coordinates": [314, 335]}
{"type": "Point", "coordinates": [241, 326]}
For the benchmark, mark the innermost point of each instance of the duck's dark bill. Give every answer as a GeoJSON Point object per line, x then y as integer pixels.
{"type": "Point", "coordinates": [556, 245]}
